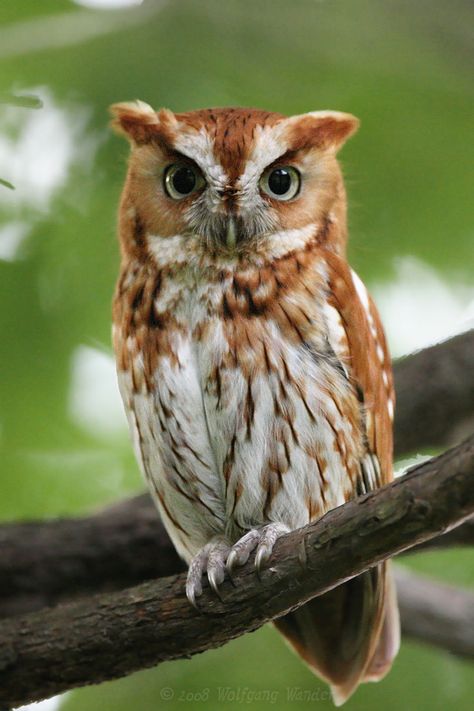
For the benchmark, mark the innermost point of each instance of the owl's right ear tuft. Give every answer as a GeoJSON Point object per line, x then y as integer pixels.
{"type": "Point", "coordinates": [328, 130]}
{"type": "Point", "coordinates": [136, 120]}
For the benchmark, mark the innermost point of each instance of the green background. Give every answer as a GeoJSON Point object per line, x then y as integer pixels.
{"type": "Point", "coordinates": [404, 68]}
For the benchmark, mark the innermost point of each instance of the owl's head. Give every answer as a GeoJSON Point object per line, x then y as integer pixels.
{"type": "Point", "coordinates": [236, 180]}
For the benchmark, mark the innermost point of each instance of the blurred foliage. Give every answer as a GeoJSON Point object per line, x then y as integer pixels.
{"type": "Point", "coordinates": [404, 68]}
{"type": "Point", "coordinates": [6, 184]}
{"type": "Point", "coordinates": [26, 101]}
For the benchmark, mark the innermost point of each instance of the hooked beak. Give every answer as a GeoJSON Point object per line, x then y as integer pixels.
{"type": "Point", "coordinates": [231, 233]}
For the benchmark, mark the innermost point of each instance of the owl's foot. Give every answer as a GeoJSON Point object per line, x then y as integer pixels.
{"type": "Point", "coordinates": [211, 559]}
{"type": "Point", "coordinates": [263, 539]}
{"type": "Point", "coordinates": [218, 555]}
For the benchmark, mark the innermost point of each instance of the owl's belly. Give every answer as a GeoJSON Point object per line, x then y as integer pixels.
{"type": "Point", "coordinates": [227, 444]}
{"type": "Point", "coordinates": [172, 444]}
{"type": "Point", "coordinates": [285, 430]}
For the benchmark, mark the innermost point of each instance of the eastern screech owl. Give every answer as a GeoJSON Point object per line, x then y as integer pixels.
{"type": "Point", "coordinates": [251, 359]}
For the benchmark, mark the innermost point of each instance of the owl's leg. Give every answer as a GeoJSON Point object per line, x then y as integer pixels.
{"type": "Point", "coordinates": [263, 539]}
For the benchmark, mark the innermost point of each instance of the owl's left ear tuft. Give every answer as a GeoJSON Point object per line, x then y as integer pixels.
{"type": "Point", "coordinates": [135, 119]}
{"type": "Point", "coordinates": [322, 129]}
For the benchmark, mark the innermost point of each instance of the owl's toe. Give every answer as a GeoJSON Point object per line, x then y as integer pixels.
{"type": "Point", "coordinates": [241, 550]}
{"type": "Point", "coordinates": [217, 557]}
{"type": "Point", "coordinates": [216, 564]}
{"type": "Point", "coordinates": [263, 539]}
{"type": "Point", "coordinates": [211, 561]}
{"type": "Point", "coordinates": [194, 578]}
{"type": "Point", "coordinates": [268, 537]}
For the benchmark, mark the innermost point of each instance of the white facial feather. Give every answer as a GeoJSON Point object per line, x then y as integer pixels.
{"type": "Point", "coordinates": [198, 146]}
{"type": "Point", "coordinates": [268, 146]}
{"type": "Point", "coordinates": [285, 240]}
{"type": "Point", "coordinates": [191, 249]}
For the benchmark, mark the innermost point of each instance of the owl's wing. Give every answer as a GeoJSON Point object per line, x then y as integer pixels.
{"type": "Point", "coordinates": [351, 634]}
{"type": "Point", "coordinates": [358, 340]}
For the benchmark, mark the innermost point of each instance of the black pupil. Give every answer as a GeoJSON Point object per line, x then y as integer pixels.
{"type": "Point", "coordinates": [279, 181]}
{"type": "Point", "coordinates": [184, 180]}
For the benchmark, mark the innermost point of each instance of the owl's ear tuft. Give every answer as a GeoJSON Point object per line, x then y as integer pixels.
{"type": "Point", "coordinates": [322, 129]}
{"type": "Point", "coordinates": [135, 119]}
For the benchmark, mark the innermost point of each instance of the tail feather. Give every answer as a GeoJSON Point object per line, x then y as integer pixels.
{"type": "Point", "coordinates": [348, 635]}
{"type": "Point", "coordinates": [389, 640]}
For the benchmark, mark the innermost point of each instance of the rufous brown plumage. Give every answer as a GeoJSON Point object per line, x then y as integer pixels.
{"type": "Point", "coordinates": [251, 360]}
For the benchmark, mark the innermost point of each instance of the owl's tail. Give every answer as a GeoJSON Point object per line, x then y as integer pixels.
{"type": "Point", "coordinates": [349, 635]}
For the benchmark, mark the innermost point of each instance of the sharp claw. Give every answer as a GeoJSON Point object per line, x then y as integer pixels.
{"type": "Point", "coordinates": [230, 566]}
{"type": "Point", "coordinates": [261, 558]}
{"type": "Point", "coordinates": [215, 580]}
{"type": "Point", "coordinates": [231, 561]}
{"type": "Point", "coordinates": [213, 555]}
{"type": "Point", "coordinates": [193, 591]}
{"type": "Point", "coordinates": [194, 585]}
{"type": "Point", "coordinates": [192, 600]}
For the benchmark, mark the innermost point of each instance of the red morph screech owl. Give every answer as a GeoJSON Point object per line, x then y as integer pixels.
{"type": "Point", "coordinates": [251, 359]}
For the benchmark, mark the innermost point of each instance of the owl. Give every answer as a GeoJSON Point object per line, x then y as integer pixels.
{"type": "Point", "coordinates": [251, 359]}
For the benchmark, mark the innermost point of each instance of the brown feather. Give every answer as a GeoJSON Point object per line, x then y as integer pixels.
{"type": "Point", "coordinates": [264, 305]}
{"type": "Point", "coordinates": [351, 634]}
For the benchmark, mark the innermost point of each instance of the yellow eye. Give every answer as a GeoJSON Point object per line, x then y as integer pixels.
{"type": "Point", "coordinates": [182, 179]}
{"type": "Point", "coordinates": [281, 183]}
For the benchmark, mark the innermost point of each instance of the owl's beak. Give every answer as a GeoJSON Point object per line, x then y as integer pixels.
{"type": "Point", "coordinates": [231, 233]}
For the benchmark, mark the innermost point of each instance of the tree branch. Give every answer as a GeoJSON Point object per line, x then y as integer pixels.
{"type": "Point", "coordinates": [47, 562]}
{"type": "Point", "coordinates": [110, 635]}
{"type": "Point", "coordinates": [435, 613]}
{"type": "Point", "coordinates": [435, 395]}
{"type": "Point", "coordinates": [44, 563]}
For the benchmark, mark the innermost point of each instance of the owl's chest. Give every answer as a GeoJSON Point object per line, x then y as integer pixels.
{"type": "Point", "coordinates": [238, 401]}
{"type": "Point", "coordinates": [228, 336]}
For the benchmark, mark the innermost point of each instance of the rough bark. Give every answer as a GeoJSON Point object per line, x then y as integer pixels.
{"type": "Point", "coordinates": [45, 563]}
{"type": "Point", "coordinates": [110, 635]}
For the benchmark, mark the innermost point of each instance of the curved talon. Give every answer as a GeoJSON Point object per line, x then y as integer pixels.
{"type": "Point", "coordinates": [262, 557]}
{"type": "Point", "coordinates": [241, 550]}
{"type": "Point", "coordinates": [231, 562]}
{"type": "Point", "coordinates": [193, 590]}
{"type": "Point", "coordinates": [215, 576]}
{"type": "Point", "coordinates": [217, 557]}
{"type": "Point", "coordinates": [268, 536]}
{"type": "Point", "coordinates": [211, 560]}
{"type": "Point", "coordinates": [215, 585]}
{"type": "Point", "coordinates": [192, 600]}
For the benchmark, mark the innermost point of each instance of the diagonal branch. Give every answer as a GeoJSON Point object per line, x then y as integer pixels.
{"type": "Point", "coordinates": [47, 562]}
{"type": "Point", "coordinates": [111, 635]}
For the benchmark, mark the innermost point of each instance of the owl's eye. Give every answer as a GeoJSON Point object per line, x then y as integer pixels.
{"type": "Point", "coordinates": [281, 183]}
{"type": "Point", "coordinates": [182, 179]}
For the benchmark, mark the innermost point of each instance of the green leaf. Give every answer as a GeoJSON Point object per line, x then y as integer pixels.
{"type": "Point", "coordinates": [6, 184]}
{"type": "Point", "coordinates": [27, 101]}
